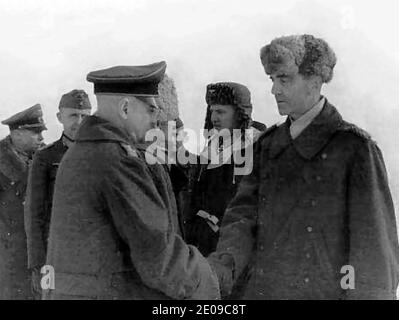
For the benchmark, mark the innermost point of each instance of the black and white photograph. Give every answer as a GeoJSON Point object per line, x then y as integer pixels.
{"type": "Point", "coordinates": [213, 151]}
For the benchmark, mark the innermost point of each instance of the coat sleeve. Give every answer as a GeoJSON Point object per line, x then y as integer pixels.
{"type": "Point", "coordinates": [373, 240]}
{"type": "Point", "coordinates": [34, 211]}
{"type": "Point", "coordinates": [160, 256]}
{"type": "Point", "coordinates": [238, 231]}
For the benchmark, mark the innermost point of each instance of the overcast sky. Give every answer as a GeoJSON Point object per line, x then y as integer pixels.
{"type": "Point", "coordinates": [48, 47]}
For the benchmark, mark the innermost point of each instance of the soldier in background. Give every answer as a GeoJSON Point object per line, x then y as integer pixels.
{"type": "Point", "coordinates": [114, 230]}
{"type": "Point", "coordinates": [212, 186]}
{"type": "Point", "coordinates": [74, 106]}
{"type": "Point", "coordinates": [172, 126]}
{"type": "Point", "coordinates": [16, 151]}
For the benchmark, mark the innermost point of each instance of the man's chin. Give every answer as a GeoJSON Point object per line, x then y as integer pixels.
{"type": "Point", "coordinates": [282, 112]}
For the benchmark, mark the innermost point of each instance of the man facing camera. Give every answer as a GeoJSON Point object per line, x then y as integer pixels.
{"type": "Point", "coordinates": [315, 219]}
{"type": "Point", "coordinates": [73, 107]}
{"type": "Point", "coordinates": [114, 228]}
{"type": "Point", "coordinates": [16, 152]}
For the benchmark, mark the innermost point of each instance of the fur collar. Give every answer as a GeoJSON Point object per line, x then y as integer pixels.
{"type": "Point", "coordinates": [11, 165]}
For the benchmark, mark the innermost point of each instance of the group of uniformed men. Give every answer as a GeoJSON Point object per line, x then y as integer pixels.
{"type": "Point", "coordinates": [113, 226]}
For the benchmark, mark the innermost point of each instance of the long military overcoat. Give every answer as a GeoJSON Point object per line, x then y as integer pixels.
{"type": "Point", "coordinates": [113, 230]}
{"type": "Point", "coordinates": [14, 274]}
{"type": "Point", "coordinates": [39, 196]}
{"type": "Point", "coordinates": [314, 218]}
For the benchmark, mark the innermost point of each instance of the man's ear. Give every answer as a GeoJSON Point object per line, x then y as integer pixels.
{"type": "Point", "coordinates": [123, 107]}
{"type": "Point", "coordinates": [59, 116]}
{"type": "Point", "coordinates": [316, 83]}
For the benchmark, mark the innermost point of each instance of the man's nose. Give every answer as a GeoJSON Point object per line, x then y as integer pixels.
{"type": "Point", "coordinates": [275, 89]}
{"type": "Point", "coordinates": [80, 119]}
{"type": "Point", "coordinates": [40, 137]}
{"type": "Point", "coordinates": [214, 117]}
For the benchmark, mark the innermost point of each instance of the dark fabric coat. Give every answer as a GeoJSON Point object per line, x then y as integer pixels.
{"type": "Point", "coordinates": [39, 198]}
{"type": "Point", "coordinates": [311, 206]}
{"type": "Point", "coordinates": [14, 275]}
{"type": "Point", "coordinates": [179, 177]}
{"type": "Point", "coordinates": [113, 231]}
{"type": "Point", "coordinates": [211, 191]}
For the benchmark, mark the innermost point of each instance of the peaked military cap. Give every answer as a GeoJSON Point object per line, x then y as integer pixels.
{"type": "Point", "coordinates": [31, 119]}
{"type": "Point", "coordinates": [75, 99]}
{"type": "Point", "coordinates": [135, 80]}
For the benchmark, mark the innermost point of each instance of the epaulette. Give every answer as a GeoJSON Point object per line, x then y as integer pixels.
{"type": "Point", "coordinates": [350, 127]}
{"type": "Point", "coordinates": [130, 152]}
{"type": "Point", "coordinates": [268, 131]}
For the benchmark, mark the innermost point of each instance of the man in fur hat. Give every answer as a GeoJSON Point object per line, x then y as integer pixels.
{"type": "Point", "coordinates": [213, 185]}
{"type": "Point", "coordinates": [315, 218]}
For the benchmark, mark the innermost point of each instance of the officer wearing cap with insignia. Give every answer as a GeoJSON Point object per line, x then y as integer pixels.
{"type": "Point", "coordinates": [315, 218]}
{"type": "Point", "coordinates": [16, 151]}
{"type": "Point", "coordinates": [74, 106]}
{"type": "Point", "coordinates": [114, 231]}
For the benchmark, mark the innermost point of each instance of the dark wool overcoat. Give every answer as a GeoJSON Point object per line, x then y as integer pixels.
{"type": "Point", "coordinates": [39, 198]}
{"type": "Point", "coordinates": [312, 206]}
{"type": "Point", "coordinates": [114, 230]}
{"type": "Point", "coordinates": [14, 274]}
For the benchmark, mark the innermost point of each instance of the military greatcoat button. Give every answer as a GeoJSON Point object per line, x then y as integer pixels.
{"type": "Point", "coordinates": [261, 248]}
{"type": "Point", "coordinates": [306, 280]}
{"type": "Point", "coordinates": [12, 183]}
{"type": "Point", "coordinates": [309, 229]}
{"type": "Point", "coordinates": [318, 178]}
{"type": "Point", "coordinates": [324, 156]}
{"type": "Point", "coordinates": [313, 203]}
{"type": "Point", "coordinates": [308, 255]}
{"type": "Point", "coordinates": [8, 234]}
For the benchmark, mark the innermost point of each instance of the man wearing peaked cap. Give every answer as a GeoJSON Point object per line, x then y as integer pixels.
{"type": "Point", "coordinates": [318, 196]}
{"type": "Point", "coordinates": [74, 106]}
{"type": "Point", "coordinates": [15, 153]}
{"type": "Point", "coordinates": [114, 230]}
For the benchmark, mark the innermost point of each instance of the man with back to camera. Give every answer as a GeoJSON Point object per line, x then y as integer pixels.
{"type": "Point", "coordinates": [114, 229]}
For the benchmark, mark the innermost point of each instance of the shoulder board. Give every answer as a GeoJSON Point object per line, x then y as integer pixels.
{"type": "Point", "coordinates": [268, 131]}
{"type": "Point", "coordinates": [130, 151]}
{"type": "Point", "coordinates": [350, 127]}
